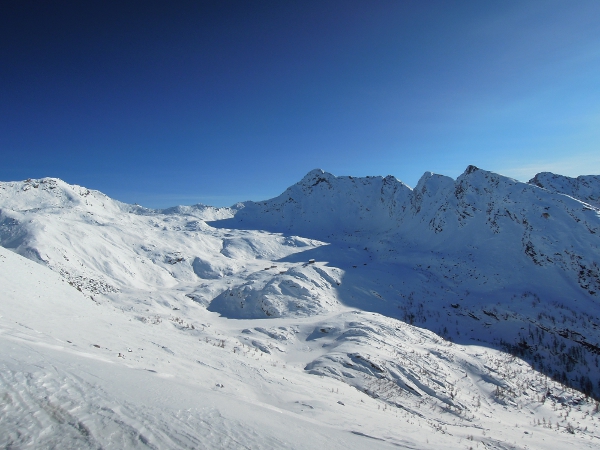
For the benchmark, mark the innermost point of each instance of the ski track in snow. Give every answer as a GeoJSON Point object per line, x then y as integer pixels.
{"type": "Point", "coordinates": [429, 318]}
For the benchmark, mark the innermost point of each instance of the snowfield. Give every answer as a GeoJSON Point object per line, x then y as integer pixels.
{"type": "Point", "coordinates": [345, 313]}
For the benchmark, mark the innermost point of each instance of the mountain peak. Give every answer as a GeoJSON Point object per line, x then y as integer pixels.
{"type": "Point", "coordinates": [313, 173]}
{"type": "Point", "coordinates": [471, 169]}
{"type": "Point", "coordinates": [314, 177]}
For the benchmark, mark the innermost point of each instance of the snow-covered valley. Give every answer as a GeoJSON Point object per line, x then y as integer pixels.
{"type": "Point", "coordinates": [347, 312]}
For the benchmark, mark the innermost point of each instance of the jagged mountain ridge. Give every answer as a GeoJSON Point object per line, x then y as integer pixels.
{"type": "Point", "coordinates": [328, 205]}
{"type": "Point", "coordinates": [479, 209]}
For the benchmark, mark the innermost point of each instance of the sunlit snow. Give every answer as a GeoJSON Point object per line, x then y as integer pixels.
{"type": "Point", "coordinates": [345, 313]}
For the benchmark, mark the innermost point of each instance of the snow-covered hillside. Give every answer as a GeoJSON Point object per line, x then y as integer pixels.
{"type": "Point", "coordinates": [585, 188]}
{"type": "Point", "coordinates": [347, 313]}
{"type": "Point", "coordinates": [104, 246]}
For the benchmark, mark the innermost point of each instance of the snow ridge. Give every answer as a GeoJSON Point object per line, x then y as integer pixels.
{"type": "Point", "coordinates": [585, 187]}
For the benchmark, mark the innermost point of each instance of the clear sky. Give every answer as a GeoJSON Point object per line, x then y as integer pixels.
{"type": "Point", "coordinates": [164, 103]}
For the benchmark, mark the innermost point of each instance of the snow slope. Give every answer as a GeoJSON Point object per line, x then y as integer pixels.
{"type": "Point", "coordinates": [430, 318]}
{"type": "Point", "coordinates": [105, 246]}
{"type": "Point", "coordinates": [64, 385]}
{"type": "Point", "coordinates": [76, 374]}
{"type": "Point", "coordinates": [324, 205]}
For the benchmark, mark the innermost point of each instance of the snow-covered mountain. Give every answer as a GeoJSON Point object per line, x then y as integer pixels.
{"type": "Point", "coordinates": [324, 205]}
{"type": "Point", "coordinates": [585, 188]}
{"type": "Point", "coordinates": [498, 221]}
{"type": "Point", "coordinates": [508, 263]}
{"type": "Point", "coordinates": [495, 217]}
{"type": "Point", "coordinates": [355, 311]}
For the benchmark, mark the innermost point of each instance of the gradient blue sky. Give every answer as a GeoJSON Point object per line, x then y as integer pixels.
{"type": "Point", "coordinates": [165, 103]}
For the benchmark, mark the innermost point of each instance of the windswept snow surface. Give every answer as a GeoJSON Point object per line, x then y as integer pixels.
{"type": "Point", "coordinates": [346, 313]}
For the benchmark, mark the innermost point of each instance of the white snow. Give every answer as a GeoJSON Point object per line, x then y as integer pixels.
{"type": "Point", "coordinates": [129, 327]}
{"type": "Point", "coordinates": [585, 188]}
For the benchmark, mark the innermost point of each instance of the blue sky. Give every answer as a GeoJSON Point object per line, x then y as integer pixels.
{"type": "Point", "coordinates": [165, 103]}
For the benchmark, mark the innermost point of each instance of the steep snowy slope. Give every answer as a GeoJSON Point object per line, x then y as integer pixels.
{"type": "Point", "coordinates": [487, 216]}
{"type": "Point", "coordinates": [585, 188]}
{"type": "Point", "coordinates": [480, 210]}
{"type": "Point", "coordinates": [75, 374]}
